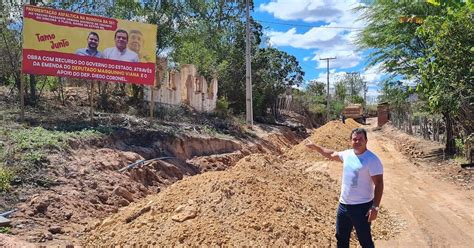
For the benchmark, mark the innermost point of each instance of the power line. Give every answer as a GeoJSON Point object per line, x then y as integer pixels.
{"type": "Point", "coordinates": [306, 25]}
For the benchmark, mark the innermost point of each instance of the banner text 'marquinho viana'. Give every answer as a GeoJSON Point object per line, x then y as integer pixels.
{"type": "Point", "coordinates": [68, 44]}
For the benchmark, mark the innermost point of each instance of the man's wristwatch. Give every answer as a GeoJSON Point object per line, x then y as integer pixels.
{"type": "Point", "coordinates": [376, 208]}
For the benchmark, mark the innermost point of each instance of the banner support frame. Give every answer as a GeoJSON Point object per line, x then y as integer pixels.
{"type": "Point", "coordinates": [22, 97]}
{"type": "Point", "coordinates": [152, 103]}
{"type": "Point", "coordinates": [91, 100]}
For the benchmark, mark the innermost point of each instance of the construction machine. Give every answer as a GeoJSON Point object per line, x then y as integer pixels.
{"type": "Point", "coordinates": [354, 111]}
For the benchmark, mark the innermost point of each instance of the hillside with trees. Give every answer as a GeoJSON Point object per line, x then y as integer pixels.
{"type": "Point", "coordinates": [430, 66]}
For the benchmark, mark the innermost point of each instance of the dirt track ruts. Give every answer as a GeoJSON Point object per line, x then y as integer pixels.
{"type": "Point", "coordinates": [435, 213]}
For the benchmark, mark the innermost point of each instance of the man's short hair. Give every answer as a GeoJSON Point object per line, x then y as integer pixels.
{"type": "Point", "coordinates": [359, 131]}
{"type": "Point", "coordinates": [134, 31]}
{"type": "Point", "coordinates": [93, 33]}
{"type": "Point", "coordinates": [120, 31]}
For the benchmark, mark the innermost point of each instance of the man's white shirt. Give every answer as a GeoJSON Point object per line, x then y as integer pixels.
{"type": "Point", "coordinates": [357, 185]}
{"type": "Point", "coordinates": [125, 55]}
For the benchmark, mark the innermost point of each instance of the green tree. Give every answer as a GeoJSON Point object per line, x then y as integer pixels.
{"type": "Point", "coordinates": [231, 70]}
{"type": "Point", "coordinates": [313, 97]}
{"type": "Point", "coordinates": [354, 83]}
{"type": "Point", "coordinates": [447, 70]}
{"type": "Point", "coordinates": [10, 45]}
{"type": "Point", "coordinates": [393, 44]}
{"type": "Point", "coordinates": [214, 40]}
{"type": "Point", "coordinates": [341, 91]}
{"type": "Point", "coordinates": [396, 94]}
{"type": "Point", "coordinates": [336, 108]}
{"type": "Point", "coordinates": [273, 72]}
{"type": "Point", "coordinates": [435, 54]}
{"type": "Point", "coordinates": [316, 88]}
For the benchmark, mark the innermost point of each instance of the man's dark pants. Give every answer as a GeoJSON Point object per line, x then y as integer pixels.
{"type": "Point", "coordinates": [349, 216]}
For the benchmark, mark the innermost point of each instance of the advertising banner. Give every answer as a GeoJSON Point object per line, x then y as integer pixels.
{"type": "Point", "coordinates": [67, 44]}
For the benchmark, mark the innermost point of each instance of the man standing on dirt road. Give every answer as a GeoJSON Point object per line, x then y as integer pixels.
{"type": "Point", "coordinates": [361, 189]}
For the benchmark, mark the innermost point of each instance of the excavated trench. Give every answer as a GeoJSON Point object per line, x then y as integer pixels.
{"type": "Point", "coordinates": [89, 187]}
{"type": "Point", "coordinates": [266, 199]}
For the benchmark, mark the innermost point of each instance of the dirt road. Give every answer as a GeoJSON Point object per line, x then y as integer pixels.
{"type": "Point", "coordinates": [435, 213]}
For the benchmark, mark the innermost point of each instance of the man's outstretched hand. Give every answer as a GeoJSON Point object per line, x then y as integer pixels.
{"type": "Point", "coordinates": [330, 154]}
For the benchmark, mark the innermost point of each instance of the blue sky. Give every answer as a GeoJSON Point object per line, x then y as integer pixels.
{"type": "Point", "coordinates": [315, 29]}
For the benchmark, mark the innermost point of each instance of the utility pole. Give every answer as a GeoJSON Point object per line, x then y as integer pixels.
{"type": "Point", "coordinates": [327, 95]}
{"type": "Point", "coordinates": [248, 69]}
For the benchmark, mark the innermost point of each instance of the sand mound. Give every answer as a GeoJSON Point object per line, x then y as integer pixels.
{"type": "Point", "coordinates": [261, 201]}
{"type": "Point", "coordinates": [352, 124]}
{"type": "Point", "coordinates": [264, 200]}
{"type": "Point", "coordinates": [333, 135]}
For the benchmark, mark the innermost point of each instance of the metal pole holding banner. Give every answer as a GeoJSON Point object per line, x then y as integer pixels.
{"type": "Point", "coordinates": [91, 99]}
{"type": "Point", "coordinates": [152, 102]}
{"type": "Point", "coordinates": [22, 97]}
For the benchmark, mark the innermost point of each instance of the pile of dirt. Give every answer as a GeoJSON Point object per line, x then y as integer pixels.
{"type": "Point", "coordinates": [428, 155]}
{"type": "Point", "coordinates": [85, 185]}
{"type": "Point", "coordinates": [263, 200]}
{"type": "Point", "coordinates": [333, 135]}
{"type": "Point", "coordinates": [413, 146]}
{"type": "Point", "coordinates": [260, 201]}
{"type": "Point", "coordinates": [10, 242]}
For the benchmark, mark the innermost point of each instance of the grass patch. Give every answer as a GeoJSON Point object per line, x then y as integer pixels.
{"type": "Point", "coordinates": [40, 138]}
{"type": "Point", "coordinates": [6, 176]}
{"type": "Point", "coordinates": [209, 130]}
{"type": "Point", "coordinates": [34, 157]}
{"type": "Point", "coordinates": [461, 159]}
{"type": "Point", "coordinates": [32, 145]}
{"type": "Point", "coordinates": [24, 151]}
{"type": "Point", "coordinates": [5, 230]}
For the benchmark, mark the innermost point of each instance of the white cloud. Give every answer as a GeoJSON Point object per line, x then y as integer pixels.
{"type": "Point", "coordinates": [314, 38]}
{"type": "Point", "coordinates": [372, 94]}
{"type": "Point", "coordinates": [373, 75]}
{"type": "Point", "coordinates": [309, 10]}
{"type": "Point", "coordinates": [327, 41]}
{"type": "Point", "coordinates": [333, 77]}
{"type": "Point", "coordinates": [346, 57]}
